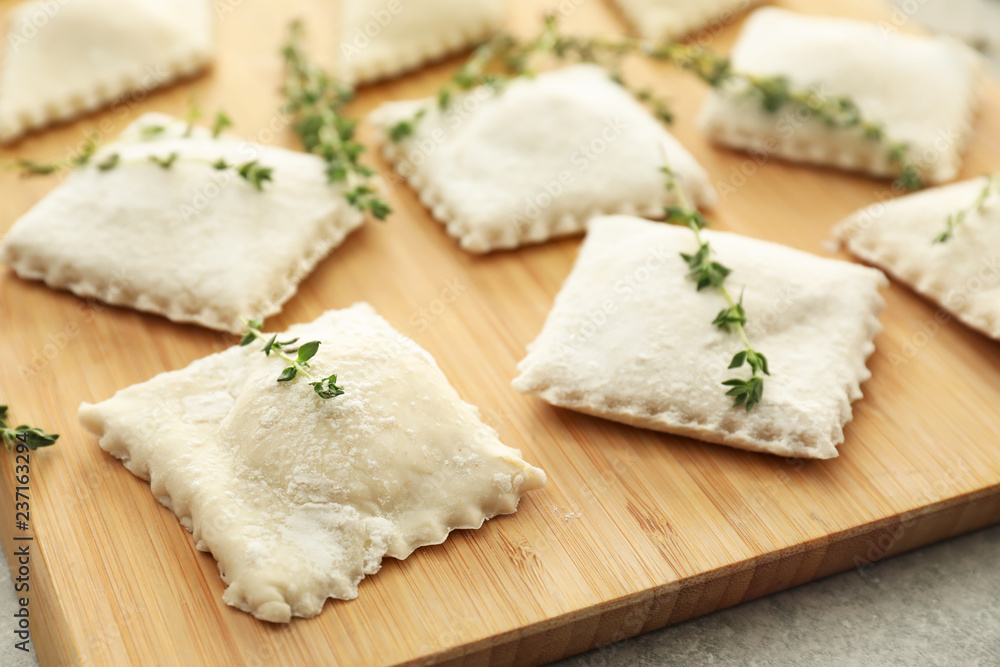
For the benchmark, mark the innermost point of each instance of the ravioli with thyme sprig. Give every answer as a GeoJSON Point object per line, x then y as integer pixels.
{"type": "Point", "coordinates": [630, 339]}
{"type": "Point", "coordinates": [864, 108]}
{"type": "Point", "coordinates": [942, 243]}
{"type": "Point", "coordinates": [300, 497]}
{"type": "Point", "coordinates": [537, 159]}
{"type": "Point", "coordinates": [168, 218]}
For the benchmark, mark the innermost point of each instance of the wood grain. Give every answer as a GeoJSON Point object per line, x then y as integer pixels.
{"type": "Point", "coordinates": [635, 529]}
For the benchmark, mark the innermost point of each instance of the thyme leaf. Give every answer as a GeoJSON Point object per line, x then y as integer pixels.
{"type": "Point", "coordinates": [504, 57]}
{"type": "Point", "coordinates": [316, 101]}
{"type": "Point", "coordinates": [165, 162]}
{"type": "Point", "coordinates": [222, 121]}
{"type": "Point", "coordinates": [110, 162]}
{"type": "Point", "coordinates": [405, 128]}
{"type": "Point", "coordinates": [193, 114]}
{"type": "Point", "coordinates": [152, 131]}
{"type": "Point", "coordinates": [325, 388]}
{"type": "Point", "coordinates": [30, 437]}
{"type": "Point", "coordinates": [990, 187]}
{"type": "Point", "coordinates": [252, 172]}
{"type": "Point", "coordinates": [706, 272]}
{"type": "Point", "coordinates": [35, 168]}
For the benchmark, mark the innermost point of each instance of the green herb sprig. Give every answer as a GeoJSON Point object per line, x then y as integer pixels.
{"type": "Point", "coordinates": [30, 437]}
{"type": "Point", "coordinates": [499, 60]}
{"type": "Point", "coordinates": [503, 58]}
{"type": "Point", "coordinates": [990, 187]}
{"type": "Point", "coordinates": [706, 272]}
{"type": "Point", "coordinates": [325, 388]}
{"type": "Point", "coordinates": [28, 167]}
{"type": "Point", "coordinates": [252, 171]}
{"type": "Point", "coordinates": [315, 100]}
{"type": "Point", "coordinates": [221, 123]}
{"type": "Point", "coordinates": [775, 93]}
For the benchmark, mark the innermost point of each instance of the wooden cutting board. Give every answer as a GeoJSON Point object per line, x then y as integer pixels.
{"type": "Point", "coordinates": [635, 529]}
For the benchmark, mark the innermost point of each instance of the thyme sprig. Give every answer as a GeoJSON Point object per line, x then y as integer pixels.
{"type": "Point", "coordinates": [706, 272]}
{"type": "Point", "coordinates": [990, 187]}
{"type": "Point", "coordinates": [776, 92]}
{"type": "Point", "coordinates": [504, 57]}
{"type": "Point", "coordinates": [28, 167]}
{"type": "Point", "coordinates": [251, 171]}
{"type": "Point", "coordinates": [325, 388]}
{"type": "Point", "coordinates": [30, 437]}
{"type": "Point", "coordinates": [316, 100]}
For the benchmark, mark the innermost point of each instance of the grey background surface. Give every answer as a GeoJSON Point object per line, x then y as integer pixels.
{"type": "Point", "coordinates": [939, 605]}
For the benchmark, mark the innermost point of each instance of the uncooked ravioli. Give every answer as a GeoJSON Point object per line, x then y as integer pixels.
{"type": "Point", "coordinates": [68, 57]}
{"type": "Point", "coordinates": [631, 339]}
{"type": "Point", "coordinates": [539, 159]}
{"type": "Point", "coordinates": [297, 497]}
{"type": "Point", "coordinates": [180, 241]}
{"type": "Point", "coordinates": [886, 74]}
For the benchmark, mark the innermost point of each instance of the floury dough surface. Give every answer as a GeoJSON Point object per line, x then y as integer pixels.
{"type": "Point", "coordinates": [298, 498]}
{"type": "Point", "coordinates": [657, 361]}
{"type": "Point", "coordinates": [540, 159]}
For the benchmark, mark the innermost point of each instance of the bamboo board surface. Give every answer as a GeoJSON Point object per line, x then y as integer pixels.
{"type": "Point", "coordinates": [635, 529]}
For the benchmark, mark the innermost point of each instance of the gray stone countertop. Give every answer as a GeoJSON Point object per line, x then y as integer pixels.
{"type": "Point", "coordinates": [939, 605]}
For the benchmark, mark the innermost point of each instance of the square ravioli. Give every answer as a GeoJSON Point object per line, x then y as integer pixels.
{"type": "Point", "coordinates": [671, 19]}
{"type": "Point", "coordinates": [90, 53]}
{"type": "Point", "coordinates": [630, 338]}
{"type": "Point", "coordinates": [297, 497]}
{"type": "Point", "coordinates": [943, 243]}
{"type": "Point", "coordinates": [385, 38]}
{"type": "Point", "coordinates": [886, 74]}
{"type": "Point", "coordinates": [180, 241]}
{"type": "Point", "coordinates": [538, 159]}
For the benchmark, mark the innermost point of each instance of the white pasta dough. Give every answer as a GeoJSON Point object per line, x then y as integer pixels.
{"type": "Point", "coordinates": [191, 243]}
{"type": "Point", "coordinates": [887, 74]}
{"type": "Point", "coordinates": [298, 498]}
{"type": "Point", "coordinates": [671, 19]}
{"type": "Point", "coordinates": [73, 56]}
{"type": "Point", "coordinates": [540, 159]}
{"type": "Point", "coordinates": [384, 38]}
{"type": "Point", "coordinates": [630, 338]}
{"type": "Point", "coordinates": [962, 274]}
